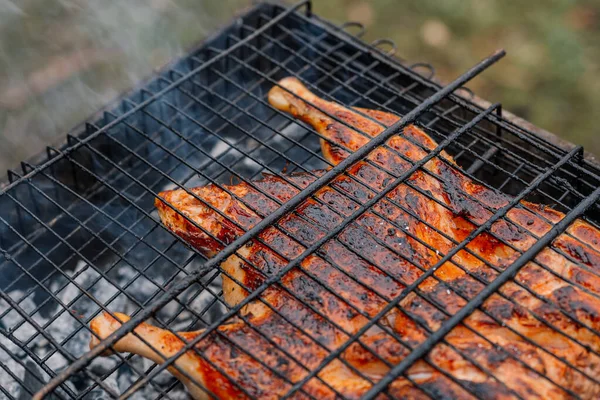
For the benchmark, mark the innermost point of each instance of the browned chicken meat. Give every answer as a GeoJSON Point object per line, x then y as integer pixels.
{"type": "Point", "coordinates": [522, 343]}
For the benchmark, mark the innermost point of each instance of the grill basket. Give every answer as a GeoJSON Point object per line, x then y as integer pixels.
{"type": "Point", "coordinates": [79, 232]}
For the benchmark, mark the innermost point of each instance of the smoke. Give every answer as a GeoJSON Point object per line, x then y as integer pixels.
{"type": "Point", "coordinates": [60, 61]}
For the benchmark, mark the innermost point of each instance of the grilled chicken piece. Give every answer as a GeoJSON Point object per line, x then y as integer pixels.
{"type": "Point", "coordinates": [291, 96]}
{"type": "Point", "coordinates": [517, 347]}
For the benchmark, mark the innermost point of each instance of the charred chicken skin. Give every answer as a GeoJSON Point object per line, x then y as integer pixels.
{"type": "Point", "coordinates": [527, 347]}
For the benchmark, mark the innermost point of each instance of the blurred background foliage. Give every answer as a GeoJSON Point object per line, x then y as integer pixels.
{"type": "Point", "coordinates": [61, 60]}
{"type": "Point", "coordinates": [550, 75]}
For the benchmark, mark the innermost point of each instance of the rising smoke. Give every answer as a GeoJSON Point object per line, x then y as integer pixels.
{"type": "Point", "coordinates": [60, 61]}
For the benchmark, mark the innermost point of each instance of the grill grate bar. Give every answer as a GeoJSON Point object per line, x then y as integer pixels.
{"type": "Point", "coordinates": [486, 282]}
{"type": "Point", "coordinates": [26, 366]}
{"type": "Point", "coordinates": [413, 286]}
{"type": "Point", "coordinates": [330, 290]}
{"type": "Point", "coordinates": [475, 276]}
{"type": "Point", "coordinates": [464, 295]}
{"type": "Point", "coordinates": [230, 249]}
{"type": "Point", "coordinates": [441, 308]}
{"type": "Point", "coordinates": [478, 300]}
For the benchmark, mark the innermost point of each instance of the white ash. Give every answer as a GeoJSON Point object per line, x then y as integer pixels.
{"type": "Point", "coordinates": [61, 327]}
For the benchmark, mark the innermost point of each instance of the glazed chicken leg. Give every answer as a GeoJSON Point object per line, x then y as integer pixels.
{"type": "Point", "coordinates": [528, 347]}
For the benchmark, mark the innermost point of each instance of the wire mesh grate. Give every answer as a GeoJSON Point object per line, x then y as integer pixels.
{"type": "Point", "coordinates": [356, 286]}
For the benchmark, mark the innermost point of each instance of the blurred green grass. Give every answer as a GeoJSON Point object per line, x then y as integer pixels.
{"type": "Point", "coordinates": [550, 75]}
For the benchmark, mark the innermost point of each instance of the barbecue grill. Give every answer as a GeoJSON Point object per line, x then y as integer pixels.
{"type": "Point", "coordinates": [79, 233]}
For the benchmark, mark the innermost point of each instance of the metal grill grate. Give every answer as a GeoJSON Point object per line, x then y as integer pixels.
{"type": "Point", "coordinates": [79, 232]}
